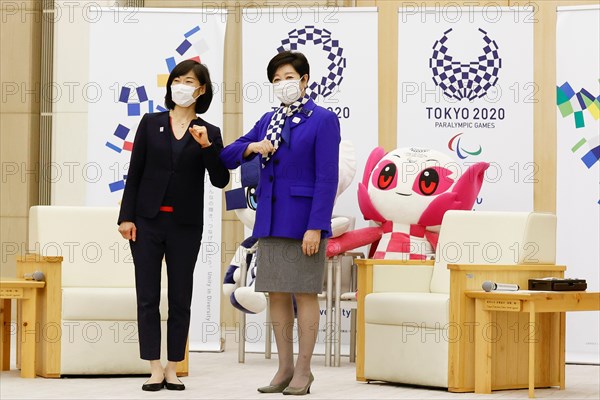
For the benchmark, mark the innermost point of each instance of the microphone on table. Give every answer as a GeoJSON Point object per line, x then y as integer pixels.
{"type": "Point", "coordinates": [489, 286]}
{"type": "Point", "coordinates": [36, 276]}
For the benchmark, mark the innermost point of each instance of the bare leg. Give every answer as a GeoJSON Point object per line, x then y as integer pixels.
{"type": "Point", "coordinates": [308, 327]}
{"type": "Point", "coordinates": [282, 317]}
{"type": "Point", "coordinates": [171, 372]}
{"type": "Point", "coordinates": [157, 372]}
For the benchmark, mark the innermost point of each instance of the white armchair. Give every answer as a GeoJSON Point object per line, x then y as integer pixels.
{"type": "Point", "coordinates": [87, 310]}
{"type": "Point", "coordinates": [413, 319]}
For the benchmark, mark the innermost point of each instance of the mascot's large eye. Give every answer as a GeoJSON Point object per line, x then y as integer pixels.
{"type": "Point", "coordinates": [251, 198]}
{"type": "Point", "coordinates": [434, 180]}
{"type": "Point", "coordinates": [429, 181]}
{"type": "Point", "coordinates": [387, 176]}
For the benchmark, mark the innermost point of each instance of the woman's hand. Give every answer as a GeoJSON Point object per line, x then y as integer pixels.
{"type": "Point", "coordinates": [128, 230]}
{"type": "Point", "coordinates": [200, 135]}
{"type": "Point", "coordinates": [264, 147]}
{"type": "Point", "coordinates": [311, 241]}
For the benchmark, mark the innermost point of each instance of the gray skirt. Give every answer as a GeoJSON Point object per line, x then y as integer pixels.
{"type": "Point", "coordinates": [282, 267]}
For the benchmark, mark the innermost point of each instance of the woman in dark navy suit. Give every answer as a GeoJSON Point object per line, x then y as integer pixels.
{"type": "Point", "coordinates": [162, 211]}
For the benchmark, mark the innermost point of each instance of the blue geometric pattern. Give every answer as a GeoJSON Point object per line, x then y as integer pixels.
{"type": "Point", "coordinates": [309, 34]}
{"type": "Point", "coordinates": [465, 80]}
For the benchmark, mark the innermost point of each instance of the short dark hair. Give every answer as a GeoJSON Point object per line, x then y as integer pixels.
{"type": "Point", "coordinates": [293, 58]}
{"type": "Point", "coordinates": [201, 72]}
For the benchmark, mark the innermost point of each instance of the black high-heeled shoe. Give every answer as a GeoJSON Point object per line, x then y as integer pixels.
{"type": "Point", "coordinates": [174, 386]}
{"type": "Point", "coordinates": [153, 387]}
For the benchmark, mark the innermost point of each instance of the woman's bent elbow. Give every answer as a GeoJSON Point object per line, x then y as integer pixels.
{"type": "Point", "coordinates": [222, 180]}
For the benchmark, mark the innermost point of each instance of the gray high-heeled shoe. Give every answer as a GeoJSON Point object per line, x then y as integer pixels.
{"type": "Point", "coordinates": [300, 391]}
{"type": "Point", "coordinates": [275, 388]}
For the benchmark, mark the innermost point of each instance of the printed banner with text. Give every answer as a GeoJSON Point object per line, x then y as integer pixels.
{"type": "Point", "coordinates": [465, 88]}
{"type": "Point", "coordinates": [578, 167]}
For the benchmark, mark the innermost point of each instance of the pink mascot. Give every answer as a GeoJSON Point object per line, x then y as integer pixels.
{"type": "Point", "coordinates": [407, 191]}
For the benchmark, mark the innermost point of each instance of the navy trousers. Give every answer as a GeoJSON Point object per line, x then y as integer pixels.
{"type": "Point", "coordinates": [179, 244]}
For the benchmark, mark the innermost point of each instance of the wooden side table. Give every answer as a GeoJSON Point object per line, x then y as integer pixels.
{"type": "Point", "coordinates": [531, 302]}
{"type": "Point", "coordinates": [26, 292]}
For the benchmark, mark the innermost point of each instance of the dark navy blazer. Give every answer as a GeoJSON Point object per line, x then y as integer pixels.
{"type": "Point", "coordinates": [151, 167]}
{"type": "Point", "coordinates": [298, 185]}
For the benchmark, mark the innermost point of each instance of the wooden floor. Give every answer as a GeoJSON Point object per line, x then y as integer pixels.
{"type": "Point", "coordinates": [220, 376]}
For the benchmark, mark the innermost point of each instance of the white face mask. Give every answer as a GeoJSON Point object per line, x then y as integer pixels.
{"type": "Point", "coordinates": [183, 95]}
{"type": "Point", "coordinates": [288, 91]}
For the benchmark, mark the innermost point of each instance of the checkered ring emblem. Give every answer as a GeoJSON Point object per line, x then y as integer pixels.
{"type": "Point", "coordinates": [337, 62]}
{"type": "Point", "coordinates": [468, 80]}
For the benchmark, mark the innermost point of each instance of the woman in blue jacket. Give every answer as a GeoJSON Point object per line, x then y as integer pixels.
{"type": "Point", "coordinates": [299, 148]}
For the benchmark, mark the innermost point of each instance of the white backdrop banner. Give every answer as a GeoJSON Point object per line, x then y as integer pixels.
{"type": "Point", "coordinates": [131, 56]}
{"type": "Point", "coordinates": [578, 169]}
{"type": "Point", "coordinates": [465, 87]}
{"type": "Point", "coordinates": [341, 47]}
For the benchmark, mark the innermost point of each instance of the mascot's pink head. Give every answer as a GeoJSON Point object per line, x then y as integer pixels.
{"type": "Point", "coordinates": [416, 186]}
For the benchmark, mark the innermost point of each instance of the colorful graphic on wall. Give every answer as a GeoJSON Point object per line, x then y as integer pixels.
{"type": "Point", "coordinates": [568, 101]}
{"type": "Point", "coordinates": [577, 167]}
{"type": "Point", "coordinates": [135, 98]}
{"type": "Point", "coordinates": [462, 153]}
{"type": "Point", "coordinates": [565, 100]}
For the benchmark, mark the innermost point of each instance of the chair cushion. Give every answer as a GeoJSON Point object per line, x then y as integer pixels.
{"type": "Point", "coordinates": [94, 253]}
{"type": "Point", "coordinates": [104, 304]}
{"type": "Point", "coordinates": [394, 353]}
{"type": "Point", "coordinates": [401, 278]}
{"type": "Point", "coordinates": [466, 238]}
{"type": "Point", "coordinates": [419, 309]}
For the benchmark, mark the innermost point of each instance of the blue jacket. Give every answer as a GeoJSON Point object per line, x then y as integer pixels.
{"type": "Point", "coordinates": [298, 185]}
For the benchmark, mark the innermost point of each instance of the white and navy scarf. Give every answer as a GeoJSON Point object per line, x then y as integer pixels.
{"type": "Point", "coordinates": [278, 121]}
